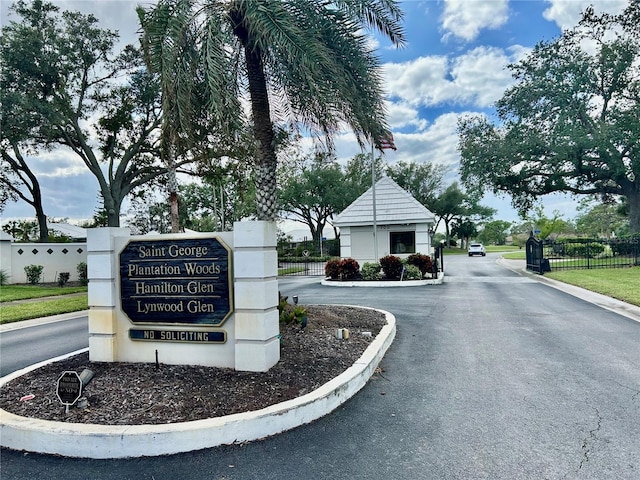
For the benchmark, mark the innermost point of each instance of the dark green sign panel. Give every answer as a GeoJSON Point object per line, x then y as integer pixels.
{"type": "Point", "coordinates": [176, 281]}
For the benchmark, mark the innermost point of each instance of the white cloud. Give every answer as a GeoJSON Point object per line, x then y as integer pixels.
{"type": "Point", "coordinates": [58, 162]}
{"type": "Point", "coordinates": [478, 77]}
{"type": "Point", "coordinates": [465, 19]}
{"type": "Point", "coordinates": [401, 115]}
{"type": "Point", "coordinates": [418, 82]}
{"type": "Point", "coordinates": [436, 144]}
{"type": "Point", "coordinates": [567, 13]}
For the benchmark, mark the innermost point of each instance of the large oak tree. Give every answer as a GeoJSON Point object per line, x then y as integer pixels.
{"type": "Point", "coordinates": [571, 122]}
{"type": "Point", "coordinates": [64, 86]}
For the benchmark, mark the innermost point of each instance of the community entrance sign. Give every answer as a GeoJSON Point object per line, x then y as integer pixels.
{"type": "Point", "coordinates": [206, 299]}
{"type": "Point", "coordinates": [179, 282]}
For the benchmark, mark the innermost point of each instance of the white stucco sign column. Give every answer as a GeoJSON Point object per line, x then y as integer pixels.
{"type": "Point", "coordinates": [256, 296]}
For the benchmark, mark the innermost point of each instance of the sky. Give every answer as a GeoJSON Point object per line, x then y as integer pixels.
{"type": "Point", "coordinates": [454, 63]}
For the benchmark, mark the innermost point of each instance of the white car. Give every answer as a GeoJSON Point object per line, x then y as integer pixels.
{"type": "Point", "coordinates": [476, 249]}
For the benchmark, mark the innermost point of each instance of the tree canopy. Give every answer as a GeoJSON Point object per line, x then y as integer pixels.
{"type": "Point", "coordinates": [571, 122]}
{"type": "Point", "coordinates": [299, 62]}
{"type": "Point", "coordinates": [67, 88]}
{"type": "Point", "coordinates": [313, 192]}
{"type": "Point", "coordinates": [454, 206]}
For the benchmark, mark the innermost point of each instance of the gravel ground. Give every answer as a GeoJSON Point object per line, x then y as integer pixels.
{"type": "Point", "coordinates": [135, 394]}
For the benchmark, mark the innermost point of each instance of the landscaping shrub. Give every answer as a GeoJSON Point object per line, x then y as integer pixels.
{"type": "Point", "coordinates": [371, 271]}
{"type": "Point", "coordinates": [4, 277]}
{"type": "Point", "coordinates": [626, 245]}
{"type": "Point", "coordinates": [332, 268]}
{"type": "Point", "coordinates": [588, 250]}
{"type": "Point", "coordinates": [63, 278]}
{"type": "Point", "coordinates": [82, 273]}
{"type": "Point", "coordinates": [391, 266]}
{"type": "Point", "coordinates": [349, 269]}
{"type": "Point", "coordinates": [412, 272]}
{"type": "Point", "coordinates": [423, 262]}
{"type": "Point", "coordinates": [291, 313]}
{"type": "Point", "coordinates": [33, 273]}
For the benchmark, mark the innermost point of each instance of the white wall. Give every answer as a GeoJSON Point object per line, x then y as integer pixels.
{"type": "Point", "coordinates": [54, 257]}
{"type": "Point", "coordinates": [357, 242]}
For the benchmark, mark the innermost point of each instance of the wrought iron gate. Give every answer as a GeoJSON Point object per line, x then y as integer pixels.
{"type": "Point", "coordinates": [535, 256]}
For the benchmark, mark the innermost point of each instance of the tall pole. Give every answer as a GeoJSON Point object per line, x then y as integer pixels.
{"type": "Point", "coordinates": [373, 191]}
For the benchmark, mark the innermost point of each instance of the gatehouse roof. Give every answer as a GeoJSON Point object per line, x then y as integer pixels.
{"type": "Point", "coordinates": [394, 206]}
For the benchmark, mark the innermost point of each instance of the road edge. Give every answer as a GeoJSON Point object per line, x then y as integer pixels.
{"type": "Point", "coordinates": [612, 304]}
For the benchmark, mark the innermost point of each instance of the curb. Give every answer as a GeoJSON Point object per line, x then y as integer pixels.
{"type": "Point", "coordinates": [8, 327]}
{"type": "Point", "coordinates": [125, 441]}
{"type": "Point", "coordinates": [375, 284]}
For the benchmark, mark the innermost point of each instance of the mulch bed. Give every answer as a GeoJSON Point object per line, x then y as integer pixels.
{"type": "Point", "coordinates": [140, 393]}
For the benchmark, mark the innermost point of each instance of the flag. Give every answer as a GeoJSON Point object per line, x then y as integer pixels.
{"type": "Point", "coordinates": [386, 142]}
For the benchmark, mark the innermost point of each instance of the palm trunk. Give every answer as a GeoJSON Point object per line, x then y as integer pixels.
{"type": "Point", "coordinates": [266, 161]}
{"type": "Point", "coordinates": [172, 185]}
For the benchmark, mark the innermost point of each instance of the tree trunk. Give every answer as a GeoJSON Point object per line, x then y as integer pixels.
{"type": "Point", "coordinates": [172, 185]}
{"type": "Point", "coordinates": [266, 160]}
{"type": "Point", "coordinates": [633, 199]}
{"type": "Point", "coordinates": [112, 207]}
{"type": "Point", "coordinates": [43, 230]}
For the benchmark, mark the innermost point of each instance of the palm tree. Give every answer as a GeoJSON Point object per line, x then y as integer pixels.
{"type": "Point", "coordinates": [305, 62]}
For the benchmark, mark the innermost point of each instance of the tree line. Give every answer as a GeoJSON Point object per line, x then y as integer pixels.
{"type": "Point", "coordinates": [138, 117]}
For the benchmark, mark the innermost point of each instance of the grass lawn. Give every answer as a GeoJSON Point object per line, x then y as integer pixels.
{"type": "Point", "coordinates": [502, 248]}
{"type": "Point", "coordinates": [488, 248]}
{"type": "Point", "coordinates": [455, 251]}
{"type": "Point", "coordinates": [9, 293]}
{"type": "Point", "coordinates": [290, 270]}
{"type": "Point", "coordinates": [620, 283]}
{"type": "Point", "coordinates": [45, 308]}
{"type": "Point", "coordinates": [518, 255]}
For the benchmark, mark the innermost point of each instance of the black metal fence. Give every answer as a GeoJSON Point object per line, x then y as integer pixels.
{"type": "Point", "coordinates": [581, 253]}
{"type": "Point", "coordinates": [306, 257]}
{"type": "Point", "coordinates": [304, 266]}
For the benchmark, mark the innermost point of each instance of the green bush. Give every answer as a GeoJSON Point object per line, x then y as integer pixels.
{"type": "Point", "coordinates": [34, 272]}
{"type": "Point", "coordinates": [587, 250]}
{"type": "Point", "coordinates": [391, 266]}
{"type": "Point", "coordinates": [63, 278]}
{"type": "Point", "coordinates": [294, 259]}
{"type": "Point", "coordinates": [4, 277]}
{"type": "Point", "coordinates": [371, 271]}
{"type": "Point", "coordinates": [291, 313]}
{"type": "Point", "coordinates": [82, 273]}
{"type": "Point", "coordinates": [412, 272]}
{"type": "Point", "coordinates": [625, 245]}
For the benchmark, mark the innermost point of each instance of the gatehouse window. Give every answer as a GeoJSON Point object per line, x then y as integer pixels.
{"type": "Point", "coordinates": [402, 242]}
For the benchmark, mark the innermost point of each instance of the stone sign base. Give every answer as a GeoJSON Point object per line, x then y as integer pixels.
{"type": "Point", "coordinates": [246, 339]}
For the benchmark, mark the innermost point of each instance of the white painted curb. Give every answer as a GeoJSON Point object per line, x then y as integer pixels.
{"type": "Point", "coordinates": [123, 441]}
{"type": "Point", "coordinates": [375, 284]}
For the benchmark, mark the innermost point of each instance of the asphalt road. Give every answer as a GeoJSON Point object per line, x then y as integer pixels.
{"type": "Point", "coordinates": [22, 347]}
{"type": "Point", "coordinates": [492, 375]}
